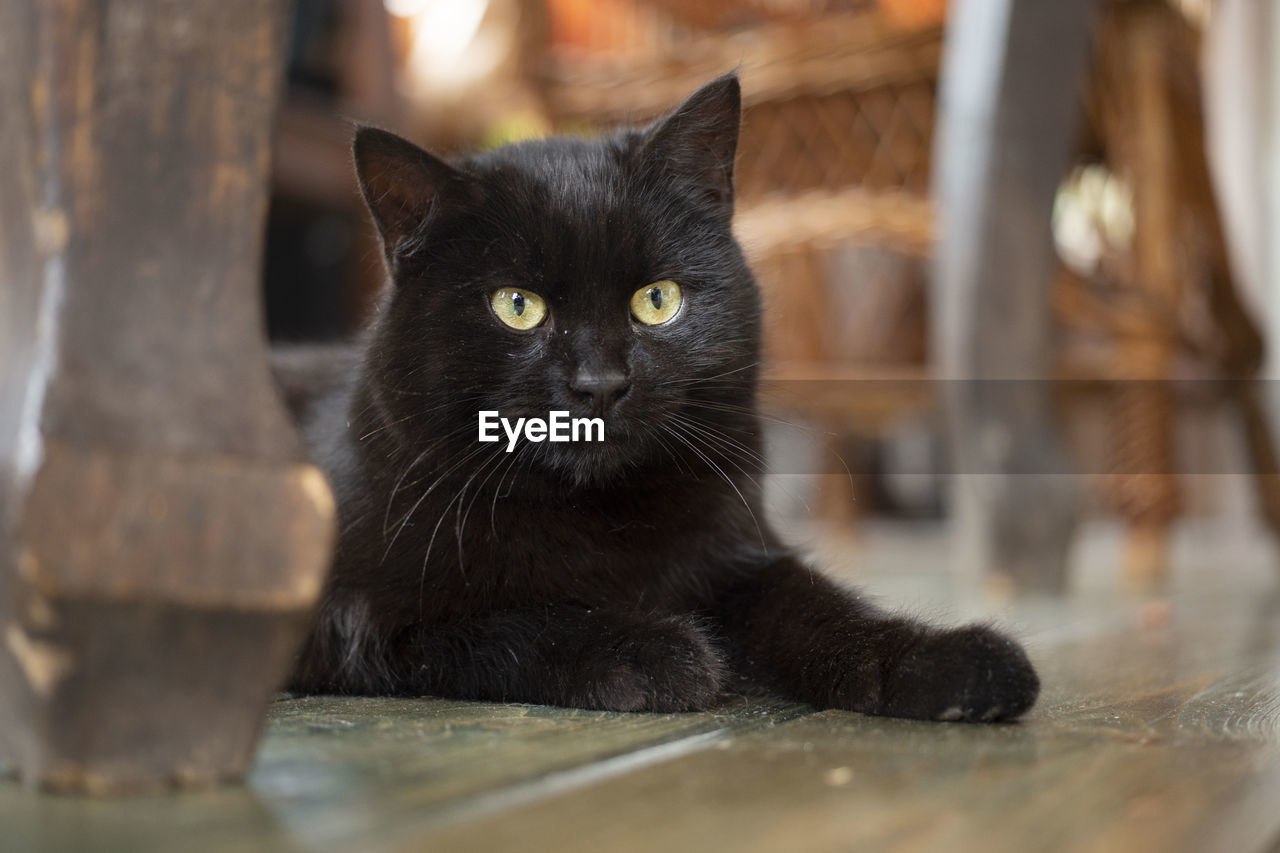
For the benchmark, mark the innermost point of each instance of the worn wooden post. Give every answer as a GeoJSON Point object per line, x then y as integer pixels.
{"type": "Point", "coordinates": [161, 539]}
{"type": "Point", "coordinates": [1007, 116]}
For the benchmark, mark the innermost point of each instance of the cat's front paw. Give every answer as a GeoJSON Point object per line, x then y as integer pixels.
{"type": "Point", "coordinates": [970, 674]}
{"type": "Point", "coordinates": [666, 665]}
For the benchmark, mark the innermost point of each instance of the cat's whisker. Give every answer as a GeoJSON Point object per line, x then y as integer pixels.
{"type": "Point", "coordinates": [656, 435]}
{"type": "Point", "coordinates": [760, 462]}
{"type": "Point", "coordinates": [419, 413]}
{"type": "Point", "coordinates": [497, 489]}
{"type": "Point", "coordinates": [425, 493]}
{"type": "Point", "coordinates": [698, 434]}
{"type": "Point", "coordinates": [791, 424]}
{"type": "Point", "coordinates": [426, 557]}
{"type": "Point", "coordinates": [463, 516]}
{"type": "Point", "coordinates": [386, 518]}
{"type": "Point", "coordinates": [728, 450]}
{"type": "Point", "coordinates": [390, 424]}
{"type": "Point", "coordinates": [729, 408]}
{"type": "Point", "coordinates": [727, 479]}
{"type": "Point", "coordinates": [702, 379]}
{"type": "Point", "coordinates": [722, 447]}
{"type": "Point", "coordinates": [444, 513]}
{"type": "Point", "coordinates": [766, 471]}
{"type": "Point", "coordinates": [720, 431]}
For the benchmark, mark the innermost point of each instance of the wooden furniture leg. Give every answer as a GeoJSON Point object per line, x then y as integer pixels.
{"type": "Point", "coordinates": [1011, 77]}
{"type": "Point", "coordinates": [161, 539]}
{"type": "Point", "coordinates": [1152, 123]}
{"type": "Point", "coordinates": [1138, 124]}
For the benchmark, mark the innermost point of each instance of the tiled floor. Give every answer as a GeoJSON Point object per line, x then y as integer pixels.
{"type": "Point", "coordinates": [1158, 729]}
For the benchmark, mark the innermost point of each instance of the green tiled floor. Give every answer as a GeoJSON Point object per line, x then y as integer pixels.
{"type": "Point", "coordinates": [1159, 729]}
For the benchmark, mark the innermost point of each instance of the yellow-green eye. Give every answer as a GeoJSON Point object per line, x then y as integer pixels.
{"type": "Point", "coordinates": [519, 309]}
{"type": "Point", "coordinates": [656, 303]}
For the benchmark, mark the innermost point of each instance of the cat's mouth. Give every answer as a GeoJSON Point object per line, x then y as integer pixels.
{"type": "Point", "coordinates": [558, 427]}
{"type": "Point", "coordinates": [594, 462]}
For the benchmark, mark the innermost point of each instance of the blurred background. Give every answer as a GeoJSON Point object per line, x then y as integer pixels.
{"type": "Point", "coordinates": [1156, 300]}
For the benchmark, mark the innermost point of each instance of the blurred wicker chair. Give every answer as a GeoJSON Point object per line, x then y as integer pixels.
{"type": "Point", "coordinates": [832, 176]}
{"type": "Point", "coordinates": [833, 179]}
{"type": "Point", "coordinates": [1163, 302]}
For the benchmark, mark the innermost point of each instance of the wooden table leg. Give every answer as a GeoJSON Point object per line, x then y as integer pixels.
{"type": "Point", "coordinates": [1007, 116]}
{"type": "Point", "coordinates": [161, 538]}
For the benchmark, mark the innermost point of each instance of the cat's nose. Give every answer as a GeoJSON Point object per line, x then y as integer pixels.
{"type": "Point", "coordinates": [600, 390]}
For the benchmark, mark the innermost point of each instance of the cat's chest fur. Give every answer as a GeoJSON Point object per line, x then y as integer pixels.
{"type": "Point", "coordinates": [665, 543]}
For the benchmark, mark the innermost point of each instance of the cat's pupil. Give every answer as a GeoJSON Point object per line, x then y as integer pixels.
{"type": "Point", "coordinates": [517, 303]}
{"type": "Point", "coordinates": [655, 296]}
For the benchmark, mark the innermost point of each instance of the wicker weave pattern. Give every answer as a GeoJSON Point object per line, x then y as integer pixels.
{"type": "Point", "coordinates": [878, 140]}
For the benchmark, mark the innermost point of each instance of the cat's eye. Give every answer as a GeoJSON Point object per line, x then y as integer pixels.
{"type": "Point", "coordinates": [519, 309]}
{"type": "Point", "coordinates": [656, 303]}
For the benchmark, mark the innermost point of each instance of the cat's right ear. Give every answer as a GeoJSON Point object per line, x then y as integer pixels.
{"type": "Point", "coordinates": [403, 186]}
{"type": "Point", "coordinates": [699, 139]}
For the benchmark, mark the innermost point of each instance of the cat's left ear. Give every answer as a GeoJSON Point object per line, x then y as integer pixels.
{"type": "Point", "coordinates": [405, 188]}
{"type": "Point", "coordinates": [699, 139]}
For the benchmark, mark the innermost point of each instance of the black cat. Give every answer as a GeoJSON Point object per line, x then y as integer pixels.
{"type": "Point", "coordinates": [599, 278]}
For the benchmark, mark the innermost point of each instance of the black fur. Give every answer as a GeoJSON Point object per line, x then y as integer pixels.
{"type": "Point", "coordinates": [634, 574]}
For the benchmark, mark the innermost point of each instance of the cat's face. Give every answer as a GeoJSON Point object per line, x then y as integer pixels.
{"type": "Point", "coordinates": [595, 277]}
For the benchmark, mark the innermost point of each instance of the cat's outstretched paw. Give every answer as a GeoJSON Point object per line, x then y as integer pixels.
{"type": "Point", "coordinates": [971, 674]}
{"type": "Point", "coordinates": [666, 665]}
